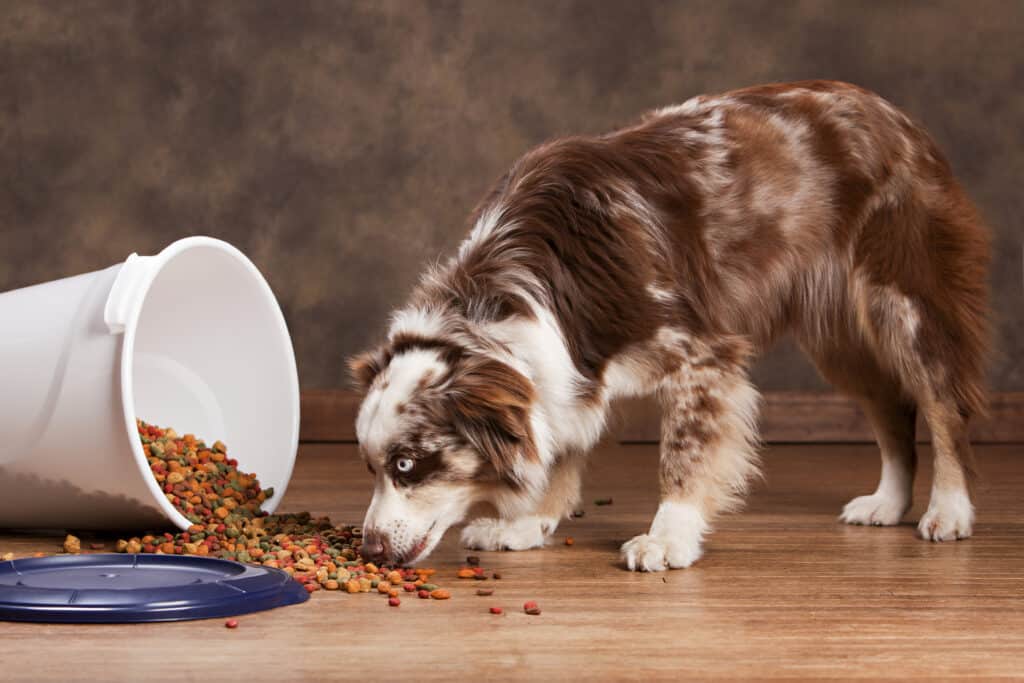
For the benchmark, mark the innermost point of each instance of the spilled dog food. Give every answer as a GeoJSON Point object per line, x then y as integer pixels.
{"type": "Point", "coordinates": [224, 505]}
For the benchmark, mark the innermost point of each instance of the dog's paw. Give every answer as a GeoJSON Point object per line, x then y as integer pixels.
{"type": "Point", "coordinates": [647, 553]}
{"type": "Point", "coordinates": [508, 534]}
{"type": "Point", "coordinates": [950, 516]}
{"type": "Point", "coordinates": [878, 509]}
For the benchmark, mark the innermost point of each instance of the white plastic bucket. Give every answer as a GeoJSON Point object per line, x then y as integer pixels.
{"type": "Point", "coordinates": [191, 338]}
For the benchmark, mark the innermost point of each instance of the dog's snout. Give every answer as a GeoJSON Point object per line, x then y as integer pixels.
{"type": "Point", "coordinates": [373, 547]}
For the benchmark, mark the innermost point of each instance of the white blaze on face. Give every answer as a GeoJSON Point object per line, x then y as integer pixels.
{"type": "Point", "coordinates": [413, 519]}
{"type": "Point", "coordinates": [380, 422]}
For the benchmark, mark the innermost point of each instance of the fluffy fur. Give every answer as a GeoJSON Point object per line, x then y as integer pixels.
{"type": "Point", "coordinates": [660, 258]}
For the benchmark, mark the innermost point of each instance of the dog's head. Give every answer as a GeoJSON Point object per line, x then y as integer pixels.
{"type": "Point", "coordinates": [441, 428]}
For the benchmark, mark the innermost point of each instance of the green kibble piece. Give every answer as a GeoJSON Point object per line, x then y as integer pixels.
{"type": "Point", "coordinates": [429, 587]}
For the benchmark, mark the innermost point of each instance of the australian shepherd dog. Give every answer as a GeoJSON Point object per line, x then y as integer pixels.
{"type": "Point", "coordinates": [660, 259]}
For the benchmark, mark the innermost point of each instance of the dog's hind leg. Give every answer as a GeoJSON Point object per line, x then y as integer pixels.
{"type": "Point", "coordinates": [532, 530]}
{"type": "Point", "coordinates": [708, 453]}
{"type": "Point", "coordinates": [922, 302]}
{"type": "Point", "coordinates": [851, 367]}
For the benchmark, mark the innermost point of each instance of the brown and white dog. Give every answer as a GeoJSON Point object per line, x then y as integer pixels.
{"type": "Point", "coordinates": [660, 258]}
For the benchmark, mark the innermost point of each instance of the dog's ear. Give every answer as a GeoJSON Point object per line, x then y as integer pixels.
{"type": "Point", "coordinates": [365, 367]}
{"type": "Point", "coordinates": [490, 404]}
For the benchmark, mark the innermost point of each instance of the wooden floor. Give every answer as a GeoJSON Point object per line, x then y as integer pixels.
{"type": "Point", "coordinates": [784, 591]}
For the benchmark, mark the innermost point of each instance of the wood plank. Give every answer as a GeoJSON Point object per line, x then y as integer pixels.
{"type": "Point", "coordinates": [786, 417]}
{"type": "Point", "coordinates": [783, 591]}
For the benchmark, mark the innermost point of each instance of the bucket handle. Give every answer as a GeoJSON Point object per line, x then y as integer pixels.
{"type": "Point", "coordinates": [130, 286]}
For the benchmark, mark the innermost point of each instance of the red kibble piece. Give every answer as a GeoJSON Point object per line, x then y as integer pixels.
{"type": "Point", "coordinates": [312, 587]}
{"type": "Point", "coordinates": [409, 587]}
{"type": "Point", "coordinates": [569, 540]}
{"type": "Point", "coordinates": [478, 570]}
{"type": "Point", "coordinates": [496, 610]}
{"type": "Point", "coordinates": [394, 602]}
{"type": "Point", "coordinates": [530, 607]}
{"type": "Point", "coordinates": [231, 623]}
{"type": "Point", "coordinates": [424, 595]}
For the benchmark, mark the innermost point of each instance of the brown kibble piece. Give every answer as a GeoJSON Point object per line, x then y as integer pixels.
{"type": "Point", "coordinates": [72, 544]}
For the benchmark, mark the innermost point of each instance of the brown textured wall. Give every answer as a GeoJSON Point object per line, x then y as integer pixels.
{"type": "Point", "coordinates": [341, 144]}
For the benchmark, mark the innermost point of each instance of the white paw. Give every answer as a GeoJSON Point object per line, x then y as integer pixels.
{"type": "Point", "coordinates": [878, 509]}
{"type": "Point", "coordinates": [950, 516]}
{"type": "Point", "coordinates": [647, 553]}
{"type": "Point", "coordinates": [508, 534]}
{"type": "Point", "coordinates": [674, 541]}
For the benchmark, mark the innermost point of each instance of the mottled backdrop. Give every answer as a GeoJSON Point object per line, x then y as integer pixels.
{"type": "Point", "coordinates": [341, 144]}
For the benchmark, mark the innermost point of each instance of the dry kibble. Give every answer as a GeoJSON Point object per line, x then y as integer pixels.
{"type": "Point", "coordinates": [485, 591]}
{"type": "Point", "coordinates": [496, 610]}
{"type": "Point", "coordinates": [530, 607]}
{"type": "Point", "coordinates": [394, 602]}
{"type": "Point", "coordinates": [72, 544]}
{"type": "Point", "coordinates": [8, 557]}
{"type": "Point", "coordinates": [569, 540]}
{"type": "Point", "coordinates": [440, 594]}
{"type": "Point", "coordinates": [231, 623]}
{"type": "Point", "coordinates": [466, 573]}
{"type": "Point", "coordinates": [224, 506]}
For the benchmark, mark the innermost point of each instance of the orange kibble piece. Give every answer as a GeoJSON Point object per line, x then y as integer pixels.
{"type": "Point", "coordinates": [440, 594]}
{"type": "Point", "coordinates": [221, 512]}
{"type": "Point", "coordinates": [466, 573]}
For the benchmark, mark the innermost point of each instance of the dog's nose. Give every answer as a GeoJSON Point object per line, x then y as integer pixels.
{"type": "Point", "coordinates": [373, 545]}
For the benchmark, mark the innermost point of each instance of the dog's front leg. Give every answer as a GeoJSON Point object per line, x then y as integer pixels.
{"type": "Point", "coordinates": [708, 455]}
{"type": "Point", "coordinates": [532, 530]}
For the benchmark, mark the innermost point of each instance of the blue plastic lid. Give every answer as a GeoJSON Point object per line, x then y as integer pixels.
{"type": "Point", "coordinates": [118, 588]}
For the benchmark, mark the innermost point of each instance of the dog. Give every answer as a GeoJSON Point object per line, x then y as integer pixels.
{"type": "Point", "coordinates": [660, 259]}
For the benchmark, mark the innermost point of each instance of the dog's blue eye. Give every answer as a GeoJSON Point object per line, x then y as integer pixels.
{"type": "Point", "coordinates": [404, 465]}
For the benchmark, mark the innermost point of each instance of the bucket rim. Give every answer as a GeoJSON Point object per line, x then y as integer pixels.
{"type": "Point", "coordinates": [158, 263]}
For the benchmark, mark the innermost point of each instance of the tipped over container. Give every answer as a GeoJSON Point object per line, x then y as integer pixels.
{"type": "Point", "coordinates": [191, 338]}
